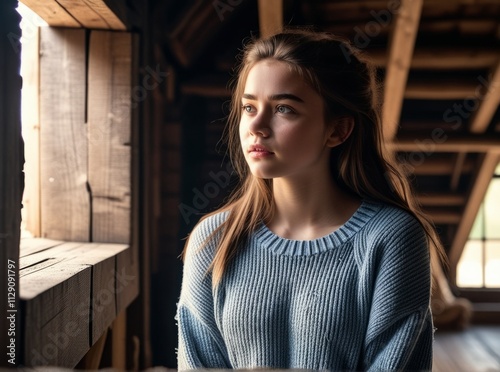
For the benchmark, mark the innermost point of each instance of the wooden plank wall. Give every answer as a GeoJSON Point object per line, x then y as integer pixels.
{"type": "Point", "coordinates": [11, 174]}
{"type": "Point", "coordinates": [109, 131]}
{"type": "Point", "coordinates": [65, 201]}
{"type": "Point", "coordinates": [85, 186]}
{"type": "Point", "coordinates": [85, 137]}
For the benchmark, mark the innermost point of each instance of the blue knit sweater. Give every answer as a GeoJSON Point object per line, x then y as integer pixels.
{"type": "Point", "coordinates": [356, 299]}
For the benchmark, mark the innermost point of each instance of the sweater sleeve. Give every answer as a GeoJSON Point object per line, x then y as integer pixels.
{"type": "Point", "coordinates": [201, 344]}
{"type": "Point", "coordinates": [400, 330]}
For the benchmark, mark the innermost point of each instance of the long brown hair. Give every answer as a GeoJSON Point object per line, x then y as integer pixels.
{"type": "Point", "coordinates": [340, 74]}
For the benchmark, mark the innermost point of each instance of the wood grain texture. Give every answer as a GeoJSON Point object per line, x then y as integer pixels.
{"type": "Point", "coordinates": [100, 7]}
{"type": "Point", "coordinates": [119, 342]}
{"type": "Point", "coordinates": [489, 102]}
{"type": "Point", "coordinates": [401, 46]}
{"type": "Point", "coordinates": [52, 13]}
{"type": "Point", "coordinates": [474, 349]}
{"type": "Point", "coordinates": [109, 122]}
{"type": "Point", "coordinates": [56, 305]}
{"type": "Point", "coordinates": [78, 280]}
{"type": "Point", "coordinates": [30, 71]}
{"type": "Point", "coordinates": [64, 197]}
{"type": "Point", "coordinates": [85, 15]}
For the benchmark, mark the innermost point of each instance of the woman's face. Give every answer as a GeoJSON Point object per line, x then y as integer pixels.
{"type": "Point", "coordinates": [282, 126]}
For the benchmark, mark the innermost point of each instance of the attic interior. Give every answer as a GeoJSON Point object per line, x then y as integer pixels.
{"type": "Point", "coordinates": [439, 63]}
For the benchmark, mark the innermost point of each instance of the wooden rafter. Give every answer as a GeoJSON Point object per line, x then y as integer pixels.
{"type": "Point", "coordinates": [444, 217]}
{"type": "Point", "coordinates": [428, 146]}
{"type": "Point", "coordinates": [489, 104]}
{"type": "Point", "coordinates": [81, 13]}
{"type": "Point", "coordinates": [270, 17]}
{"type": "Point", "coordinates": [487, 165]}
{"type": "Point", "coordinates": [457, 170]}
{"type": "Point", "coordinates": [443, 58]}
{"type": "Point", "coordinates": [440, 166]}
{"type": "Point", "coordinates": [441, 199]}
{"type": "Point", "coordinates": [52, 13]}
{"type": "Point", "coordinates": [401, 47]}
{"type": "Point", "coordinates": [440, 89]}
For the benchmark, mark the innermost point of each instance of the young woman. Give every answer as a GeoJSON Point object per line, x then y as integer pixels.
{"type": "Point", "coordinates": [320, 260]}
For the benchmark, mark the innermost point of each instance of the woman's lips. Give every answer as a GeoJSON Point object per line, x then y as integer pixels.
{"type": "Point", "coordinates": [259, 151]}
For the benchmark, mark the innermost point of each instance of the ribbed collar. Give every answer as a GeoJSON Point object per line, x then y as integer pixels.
{"type": "Point", "coordinates": [269, 240]}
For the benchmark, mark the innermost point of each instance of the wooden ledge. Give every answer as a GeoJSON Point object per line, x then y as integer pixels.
{"type": "Point", "coordinates": [70, 293]}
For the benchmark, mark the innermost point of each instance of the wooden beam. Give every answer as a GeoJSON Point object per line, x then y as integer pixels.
{"type": "Point", "coordinates": [441, 200]}
{"type": "Point", "coordinates": [81, 281]}
{"type": "Point", "coordinates": [457, 170]}
{"type": "Point", "coordinates": [52, 13]}
{"type": "Point", "coordinates": [109, 134]}
{"type": "Point", "coordinates": [195, 28]}
{"type": "Point", "coordinates": [270, 17]}
{"type": "Point", "coordinates": [455, 143]}
{"type": "Point", "coordinates": [487, 165]}
{"type": "Point", "coordinates": [440, 166]}
{"type": "Point", "coordinates": [442, 217]}
{"type": "Point", "coordinates": [92, 359]}
{"type": "Point", "coordinates": [119, 342]}
{"type": "Point", "coordinates": [445, 58]}
{"type": "Point", "coordinates": [402, 42]}
{"type": "Point", "coordinates": [489, 104]}
{"type": "Point", "coordinates": [65, 203]}
{"type": "Point", "coordinates": [100, 7]}
{"type": "Point", "coordinates": [440, 89]}
{"type": "Point", "coordinates": [84, 14]}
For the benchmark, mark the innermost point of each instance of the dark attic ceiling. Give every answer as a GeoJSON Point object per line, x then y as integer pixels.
{"type": "Point", "coordinates": [439, 61]}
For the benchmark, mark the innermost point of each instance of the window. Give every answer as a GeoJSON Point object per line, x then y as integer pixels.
{"type": "Point", "coordinates": [479, 266]}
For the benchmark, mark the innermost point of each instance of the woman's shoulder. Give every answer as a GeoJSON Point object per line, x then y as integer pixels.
{"type": "Point", "coordinates": [392, 224]}
{"type": "Point", "coordinates": [204, 235]}
{"type": "Point", "coordinates": [389, 217]}
{"type": "Point", "coordinates": [209, 223]}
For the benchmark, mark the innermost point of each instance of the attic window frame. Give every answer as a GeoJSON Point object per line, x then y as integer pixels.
{"type": "Point", "coordinates": [98, 271]}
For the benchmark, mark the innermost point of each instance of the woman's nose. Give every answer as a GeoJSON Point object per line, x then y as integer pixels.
{"type": "Point", "coordinates": [259, 125]}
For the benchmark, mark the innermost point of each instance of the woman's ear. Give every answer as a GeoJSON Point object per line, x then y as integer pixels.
{"type": "Point", "coordinates": [340, 129]}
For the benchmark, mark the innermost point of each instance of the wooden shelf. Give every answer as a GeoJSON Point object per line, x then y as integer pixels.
{"type": "Point", "coordinates": [70, 293]}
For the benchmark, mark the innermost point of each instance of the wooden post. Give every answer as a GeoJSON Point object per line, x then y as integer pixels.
{"type": "Point", "coordinates": [63, 140]}
{"type": "Point", "coordinates": [109, 118]}
{"type": "Point", "coordinates": [11, 181]}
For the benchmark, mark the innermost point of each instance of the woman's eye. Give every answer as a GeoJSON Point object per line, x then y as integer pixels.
{"type": "Point", "coordinates": [283, 109]}
{"type": "Point", "coordinates": [247, 108]}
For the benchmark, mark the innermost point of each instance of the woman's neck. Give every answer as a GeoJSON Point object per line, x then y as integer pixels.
{"type": "Point", "coordinates": [309, 208]}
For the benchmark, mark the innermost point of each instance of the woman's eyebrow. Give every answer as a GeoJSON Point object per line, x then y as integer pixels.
{"type": "Point", "coordinates": [276, 97]}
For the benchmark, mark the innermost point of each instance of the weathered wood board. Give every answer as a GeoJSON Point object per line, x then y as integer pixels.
{"type": "Point", "coordinates": [65, 200]}
{"type": "Point", "coordinates": [109, 139]}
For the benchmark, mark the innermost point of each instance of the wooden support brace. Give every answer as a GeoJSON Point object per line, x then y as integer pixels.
{"type": "Point", "coordinates": [270, 17]}
{"type": "Point", "coordinates": [488, 103]}
{"type": "Point", "coordinates": [401, 47]}
{"type": "Point", "coordinates": [487, 166]}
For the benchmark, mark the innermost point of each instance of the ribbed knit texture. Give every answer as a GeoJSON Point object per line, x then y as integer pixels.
{"type": "Point", "coordinates": [356, 299]}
